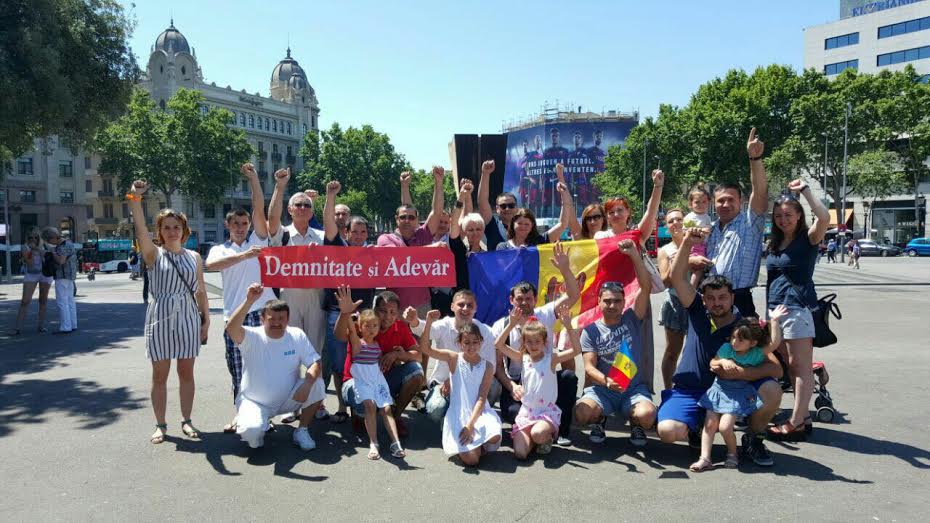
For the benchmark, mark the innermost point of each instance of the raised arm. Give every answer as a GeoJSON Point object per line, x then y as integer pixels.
{"type": "Point", "coordinates": [561, 260]}
{"type": "Point", "coordinates": [455, 227]}
{"type": "Point", "coordinates": [516, 318]}
{"type": "Point", "coordinates": [648, 223]}
{"type": "Point", "coordinates": [467, 202]}
{"type": "Point", "coordinates": [680, 281]}
{"type": "Point", "coordinates": [234, 326]}
{"type": "Point", "coordinates": [759, 198]}
{"type": "Point", "coordinates": [259, 220]}
{"type": "Point", "coordinates": [484, 191]}
{"type": "Point", "coordinates": [565, 214]}
{"type": "Point", "coordinates": [426, 347]}
{"type": "Point", "coordinates": [330, 229]}
{"type": "Point", "coordinates": [275, 207]}
{"type": "Point", "coordinates": [432, 221]}
{"type": "Point", "coordinates": [346, 308]}
{"type": "Point", "coordinates": [641, 305]}
{"type": "Point", "coordinates": [218, 264]}
{"type": "Point", "coordinates": [149, 251]}
{"type": "Point", "coordinates": [775, 317]}
{"type": "Point", "coordinates": [574, 336]}
{"type": "Point", "coordinates": [818, 230]}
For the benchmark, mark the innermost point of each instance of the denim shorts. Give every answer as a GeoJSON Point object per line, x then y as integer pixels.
{"type": "Point", "coordinates": [612, 402]}
{"type": "Point", "coordinates": [400, 374]}
{"type": "Point", "coordinates": [798, 323]}
{"type": "Point", "coordinates": [679, 404]}
{"type": "Point", "coordinates": [674, 315]}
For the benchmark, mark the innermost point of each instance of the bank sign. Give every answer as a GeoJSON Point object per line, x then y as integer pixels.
{"type": "Point", "coordinates": [850, 8]}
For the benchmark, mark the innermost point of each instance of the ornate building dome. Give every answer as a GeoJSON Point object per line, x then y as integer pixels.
{"type": "Point", "coordinates": [171, 41]}
{"type": "Point", "coordinates": [285, 69]}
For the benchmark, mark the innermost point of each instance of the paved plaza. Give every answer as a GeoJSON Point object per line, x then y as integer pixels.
{"type": "Point", "coordinates": [75, 422]}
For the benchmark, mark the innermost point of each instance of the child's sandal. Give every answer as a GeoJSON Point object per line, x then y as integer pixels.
{"type": "Point", "coordinates": [732, 461]}
{"type": "Point", "coordinates": [397, 450]}
{"type": "Point", "coordinates": [159, 437]}
{"type": "Point", "coordinates": [189, 429]}
{"type": "Point", "coordinates": [701, 465]}
{"type": "Point", "coordinates": [373, 453]}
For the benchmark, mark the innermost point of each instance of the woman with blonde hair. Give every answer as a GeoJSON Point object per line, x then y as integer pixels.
{"type": "Point", "coordinates": [178, 318]}
{"type": "Point", "coordinates": [33, 253]}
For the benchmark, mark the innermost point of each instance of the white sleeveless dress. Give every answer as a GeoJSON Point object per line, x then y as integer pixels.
{"type": "Point", "coordinates": [540, 390]}
{"type": "Point", "coordinates": [465, 383]}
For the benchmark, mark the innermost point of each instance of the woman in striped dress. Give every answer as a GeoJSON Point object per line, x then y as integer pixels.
{"type": "Point", "coordinates": [173, 326]}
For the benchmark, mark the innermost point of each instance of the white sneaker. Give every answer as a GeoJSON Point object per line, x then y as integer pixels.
{"type": "Point", "coordinates": [303, 440]}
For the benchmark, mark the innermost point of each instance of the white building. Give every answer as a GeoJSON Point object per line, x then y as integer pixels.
{"type": "Point", "coordinates": [55, 185]}
{"type": "Point", "coordinates": [871, 36]}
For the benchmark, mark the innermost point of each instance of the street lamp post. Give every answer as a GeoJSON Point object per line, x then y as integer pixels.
{"type": "Point", "coordinates": [845, 169]}
{"type": "Point", "coordinates": [9, 231]}
{"type": "Point", "coordinates": [645, 146]}
{"type": "Point", "coordinates": [826, 143]}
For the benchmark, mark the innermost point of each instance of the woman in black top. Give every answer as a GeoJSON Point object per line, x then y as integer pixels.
{"type": "Point", "coordinates": [790, 266]}
{"type": "Point", "coordinates": [465, 234]}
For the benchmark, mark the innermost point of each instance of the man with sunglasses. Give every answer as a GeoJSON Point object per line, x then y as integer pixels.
{"type": "Point", "coordinates": [496, 225]}
{"type": "Point", "coordinates": [306, 305]}
{"type": "Point", "coordinates": [600, 343]}
{"type": "Point", "coordinates": [710, 324]}
{"type": "Point", "coordinates": [410, 233]}
{"type": "Point", "coordinates": [734, 249]}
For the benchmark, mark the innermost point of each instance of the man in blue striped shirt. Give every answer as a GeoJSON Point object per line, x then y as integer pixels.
{"type": "Point", "coordinates": [734, 248]}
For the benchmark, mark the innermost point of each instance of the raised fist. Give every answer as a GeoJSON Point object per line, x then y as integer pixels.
{"type": "Point", "coordinates": [255, 290]}
{"type": "Point", "coordinates": [658, 178]}
{"type": "Point", "coordinates": [282, 175]}
{"type": "Point", "coordinates": [405, 178]}
{"type": "Point", "coordinates": [438, 173]}
{"type": "Point", "coordinates": [139, 187]}
{"type": "Point", "coordinates": [628, 247]}
{"type": "Point", "coordinates": [312, 194]}
{"type": "Point", "coordinates": [433, 315]}
{"type": "Point", "coordinates": [248, 170]}
{"type": "Point", "coordinates": [487, 167]}
{"type": "Point", "coordinates": [333, 188]}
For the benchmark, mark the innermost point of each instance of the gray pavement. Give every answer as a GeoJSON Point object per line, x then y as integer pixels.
{"type": "Point", "coordinates": [75, 421]}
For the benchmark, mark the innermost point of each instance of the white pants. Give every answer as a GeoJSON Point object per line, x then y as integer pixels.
{"type": "Point", "coordinates": [67, 309]}
{"type": "Point", "coordinates": [306, 313]}
{"type": "Point", "coordinates": [252, 417]}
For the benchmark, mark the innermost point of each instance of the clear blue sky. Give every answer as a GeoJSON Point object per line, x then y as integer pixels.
{"type": "Point", "coordinates": [422, 70]}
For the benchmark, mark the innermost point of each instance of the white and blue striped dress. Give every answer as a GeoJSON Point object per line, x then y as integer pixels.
{"type": "Point", "coordinates": [172, 320]}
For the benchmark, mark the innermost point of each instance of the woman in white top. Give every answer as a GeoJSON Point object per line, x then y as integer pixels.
{"type": "Point", "coordinates": [33, 255]}
{"type": "Point", "coordinates": [674, 315]}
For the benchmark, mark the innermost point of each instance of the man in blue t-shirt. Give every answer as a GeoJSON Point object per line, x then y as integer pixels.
{"type": "Point", "coordinates": [711, 322]}
{"type": "Point", "coordinates": [495, 228]}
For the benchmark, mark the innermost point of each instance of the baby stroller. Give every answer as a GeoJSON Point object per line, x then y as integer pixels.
{"type": "Point", "coordinates": [823, 402]}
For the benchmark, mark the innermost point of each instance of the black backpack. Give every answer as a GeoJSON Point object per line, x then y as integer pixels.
{"type": "Point", "coordinates": [49, 265]}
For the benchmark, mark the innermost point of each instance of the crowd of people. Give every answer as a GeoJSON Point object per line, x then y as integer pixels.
{"type": "Point", "coordinates": [284, 347]}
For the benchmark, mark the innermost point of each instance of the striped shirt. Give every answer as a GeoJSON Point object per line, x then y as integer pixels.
{"type": "Point", "coordinates": [367, 355]}
{"type": "Point", "coordinates": [736, 248]}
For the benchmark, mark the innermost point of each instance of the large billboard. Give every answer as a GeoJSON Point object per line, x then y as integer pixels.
{"type": "Point", "coordinates": [581, 147]}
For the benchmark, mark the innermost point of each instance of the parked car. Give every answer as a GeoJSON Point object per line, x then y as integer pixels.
{"type": "Point", "coordinates": [871, 248]}
{"type": "Point", "coordinates": [918, 247]}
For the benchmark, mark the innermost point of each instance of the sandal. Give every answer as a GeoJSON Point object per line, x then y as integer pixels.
{"type": "Point", "coordinates": [189, 429]}
{"type": "Point", "coordinates": [787, 432]}
{"type": "Point", "coordinates": [701, 465]}
{"type": "Point", "coordinates": [339, 417]}
{"type": "Point", "coordinates": [159, 437]}
{"type": "Point", "coordinates": [397, 450]}
{"type": "Point", "coordinates": [732, 461]}
{"type": "Point", "coordinates": [373, 453]}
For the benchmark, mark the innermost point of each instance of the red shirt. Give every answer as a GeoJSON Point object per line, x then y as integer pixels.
{"type": "Point", "coordinates": [397, 335]}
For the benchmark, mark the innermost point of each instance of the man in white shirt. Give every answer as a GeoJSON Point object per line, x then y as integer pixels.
{"type": "Point", "coordinates": [444, 335]}
{"type": "Point", "coordinates": [306, 305]}
{"type": "Point", "coordinates": [508, 373]}
{"type": "Point", "coordinates": [272, 356]}
{"type": "Point", "coordinates": [237, 258]}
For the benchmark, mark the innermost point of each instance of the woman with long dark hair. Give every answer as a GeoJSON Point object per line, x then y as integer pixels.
{"type": "Point", "coordinates": [593, 220]}
{"type": "Point", "coordinates": [792, 256]}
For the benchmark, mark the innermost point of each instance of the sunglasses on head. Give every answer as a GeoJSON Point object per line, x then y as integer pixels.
{"type": "Point", "coordinates": [594, 217]}
{"type": "Point", "coordinates": [612, 286]}
{"type": "Point", "coordinates": [787, 196]}
{"type": "Point", "coordinates": [507, 205]}
{"type": "Point", "coordinates": [303, 205]}
{"type": "Point", "coordinates": [406, 217]}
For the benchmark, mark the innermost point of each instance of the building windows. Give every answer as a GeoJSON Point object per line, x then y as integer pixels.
{"type": "Point", "coordinates": [90, 211]}
{"type": "Point", "coordinates": [108, 186]}
{"type": "Point", "coordinates": [87, 164]}
{"type": "Point", "coordinates": [27, 196]}
{"type": "Point", "coordinates": [839, 67]}
{"type": "Point", "coordinates": [274, 148]}
{"type": "Point", "coordinates": [252, 121]}
{"type": "Point", "coordinates": [65, 169]}
{"type": "Point", "coordinates": [841, 41]}
{"type": "Point", "coordinates": [24, 167]}
{"type": "Point", "coordinates": [267, 124]}
{"type": "Point", "coordinates": [67, 197]}
{"type": "Point", "coordinates": [313, 121]}
{"type": "Point", "coordinates": [274, 125]}
{"type": "Point", "coordinates": [288, 128]}
{"type": "Point", "coordinates": [209, 211]}
{"type": "Point", "coordinates": [305, 128]}
{"type": "Point", "coordinates": [108, 210]}
{"type": "Point", "coordinates": [209, 236]}
{"type": "Point", "coordinates": [242, 119]}
{"type": "Point", "coordinates": [910, 26]}
{"type": "Point", "coordinates": [125, 210]}
{"type": "Point", "coordinates": [183, 70]}
{"type": "Point", "coordinates": [88, 186]}
{"type": "Point", "coordinates": [908, 55]}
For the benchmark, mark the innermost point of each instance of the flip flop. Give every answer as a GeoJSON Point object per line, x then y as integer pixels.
{"type": "Point", "coordinates": [159, 438]}
{"type": "Point", "coordinates": [701, 465]}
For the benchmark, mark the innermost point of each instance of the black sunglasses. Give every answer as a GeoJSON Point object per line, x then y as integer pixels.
{"type": "Point", "coordinates": [406, 217]}
{"type": "Point", "coordinates": [507, 205]}
{"type": "Point", "coordinates": [612, 286]}
{"type": "Point", "coordinates": [303, 205]}
{"type": "Point", "coordinates": [594, 217]}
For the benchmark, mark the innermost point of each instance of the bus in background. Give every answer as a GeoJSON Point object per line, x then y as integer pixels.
{"type": "Point", "coordinates": [106, 255]}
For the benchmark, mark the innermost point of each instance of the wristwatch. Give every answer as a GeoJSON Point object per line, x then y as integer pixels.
{"type": "Point", "coordinates": [459, 204]}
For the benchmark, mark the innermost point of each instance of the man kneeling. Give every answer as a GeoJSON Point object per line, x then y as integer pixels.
{"type": "Point", "coordinates": [600, 343]}
{"type": "Point", "coordinates": [271, 384]}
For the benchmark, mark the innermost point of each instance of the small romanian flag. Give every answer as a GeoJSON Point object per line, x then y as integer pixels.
{"type": "Point", "coordinates": [623, 369]}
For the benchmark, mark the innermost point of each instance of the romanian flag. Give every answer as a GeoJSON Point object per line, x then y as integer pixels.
{"type": "Point", "coordinates": [623, 369]}
{"type": "Point", "coordinates": [594, 262]}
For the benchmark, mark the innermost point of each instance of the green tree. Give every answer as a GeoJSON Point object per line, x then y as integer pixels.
{"type": "Point", "coordinates": [363, 160]}
{"type": "Point", "coordinates": [421, 191]}
{"type": "Point", "coordinates": [877, 174]}
{"type": "Point", "coordinates": [181, 150]}
{"type": "Point", "coordinates": [65, 68]}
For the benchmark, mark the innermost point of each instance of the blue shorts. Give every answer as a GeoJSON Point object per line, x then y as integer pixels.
{"type": "Point", "coordinates": [612, 402]}
{"type": "Point", "coordinates": [400, 374]}
{"type": "Point", "coordinates": [334, 348]}
{"type": "Point", "coordinates": [680, 404]}
{"type": "Point", "coordinates": [348, 397]}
